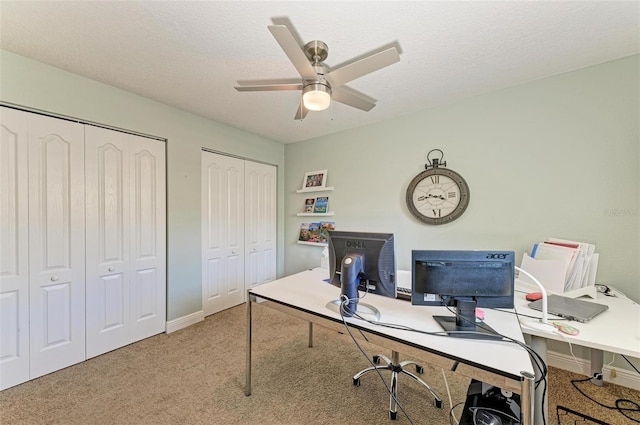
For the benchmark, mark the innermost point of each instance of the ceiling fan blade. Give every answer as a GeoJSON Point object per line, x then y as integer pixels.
{"type": "Point", "coordinates": [362, 102]}
{"type": "Point", "coordinates": [294, 51]}
{"type": "Point", "coordinates": [266, 86]}
{"type": "Point", "coordinates": [357, 69]}
{"type": "Point", "coordinates": [302, 112]}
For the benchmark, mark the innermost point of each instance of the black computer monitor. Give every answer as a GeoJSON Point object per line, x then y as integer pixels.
{"type": "Point", "coordinates": [362, 261]}
{"type": "Point", "coordinates": [464, 280]}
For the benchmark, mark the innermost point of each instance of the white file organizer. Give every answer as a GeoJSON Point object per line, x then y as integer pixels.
{"type": "Point", "coordinates": [552, 275]}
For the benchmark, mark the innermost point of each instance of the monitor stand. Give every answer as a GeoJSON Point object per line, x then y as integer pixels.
{"type": "Point", "coordinates": [449, 324]}
{"type": "Point", "coordinates": [364, 310]}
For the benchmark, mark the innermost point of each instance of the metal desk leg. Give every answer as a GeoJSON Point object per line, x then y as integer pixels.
{"type": "Point", "coordinates": [247, 386]}
{"type": "Point", "coordinates": [527, 401]}
{"type": "Point", "coordinates": [540, 407]}
{"type": "Point", "coordinates": [596, 367]}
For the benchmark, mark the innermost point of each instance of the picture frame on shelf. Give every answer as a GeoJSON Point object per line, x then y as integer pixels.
{"type": "Point", "coordinates": [309, 203]}
{"type": "Point", "coordinates": [314, 179]}
{"type": "Point", "coordinates": [321, 205]}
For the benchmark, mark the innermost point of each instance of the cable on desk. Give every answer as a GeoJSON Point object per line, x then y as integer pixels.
{"type": "Point", "coordinates": [515, 312]}
{"type": "Point", "coordinates": [344, 308]}
{"type": "Point", "coordinates": [619, 402]}
{"type": "Point", "coordinates": [609, 291]}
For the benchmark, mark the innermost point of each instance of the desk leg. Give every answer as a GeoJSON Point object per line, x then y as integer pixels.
{"type": "Point", "coordinates": [527, 398]}
{"type": "Point", "coordinates": [247, 386]}
{"type": "Point", "coordinates": [541, 405]}
{"type": "Point", "coordinates": [596, 366]}
{"type": "Point", "coordinates": [310, 334]}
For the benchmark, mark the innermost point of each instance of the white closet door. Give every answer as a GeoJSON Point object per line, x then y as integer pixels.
{"type": "Point", "coordinates": [222, 232]}
{"type": "Point", "coordinates": [260, 223]}
{"type": "Point", "coordinates": [107, 251]}
{"type": "Point", "coordinates": [126, 284]}
{"type": "Point", "coordinates": [14, 265]}
{"type": "Point", "coordinates": [56, 244]}
{"type": "Point", "coordinates": [148, 237]}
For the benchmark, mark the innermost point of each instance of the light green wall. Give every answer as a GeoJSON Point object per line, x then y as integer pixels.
{"type": "Point", "coordinates": [557, 157]}
{"type": "Point", "coordinates": [35, 85]}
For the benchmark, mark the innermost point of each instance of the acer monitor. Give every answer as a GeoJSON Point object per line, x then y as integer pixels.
{"type": "Point", "coordinates": [362, 261]}
{"type": "Point", "coordinates": [463, 280]}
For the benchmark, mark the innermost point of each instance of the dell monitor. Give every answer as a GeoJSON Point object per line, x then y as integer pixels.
{"type": "Point", "coordinates": [464, 280]}
{"type": "Point", "coordinates": [361, 261]}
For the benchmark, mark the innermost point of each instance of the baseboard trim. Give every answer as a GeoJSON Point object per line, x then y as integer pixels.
{"type": "Point", "coordinates": [623, 377]}
{"type": "Point", "coordinates": [185, 321]}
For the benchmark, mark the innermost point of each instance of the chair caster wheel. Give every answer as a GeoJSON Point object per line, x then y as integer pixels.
{"type": "Point", "coordinates": [393, 415]}
{"type": "Point", "coordinates": [419, 369]}
{"type": "Point", "coordinates": [438, 404]}
{"type": "Point", "coordinates": [356, 382]}
{"type": "Point", "coordinates": [376, 359]}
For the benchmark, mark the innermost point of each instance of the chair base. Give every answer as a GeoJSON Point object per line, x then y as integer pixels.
{"type": "Point", "coordinates": [397, 368]}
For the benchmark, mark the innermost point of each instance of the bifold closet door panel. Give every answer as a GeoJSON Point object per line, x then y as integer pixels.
{"type": "Point", "coordinates": [14, 245]}
{"type": "Point", "coordinates": [126, 228]}
{"type": "Point", "coordinates": [108, 229]}
{"type": "Point", "coordinates": [260, 223]}
{"type": "Point", "coordinates": [147, 210]}
{"type": "Point", "coordinates": [56, 244]}
{"type": "Point", "coordinates": [222, 232]}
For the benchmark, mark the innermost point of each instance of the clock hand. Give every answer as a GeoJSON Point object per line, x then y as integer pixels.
{"type": "Point", "coordinates": [422, 198]}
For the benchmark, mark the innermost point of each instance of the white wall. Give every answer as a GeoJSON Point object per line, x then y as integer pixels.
{"type": "Point", "coordinates": [557, 157]}
{"type": "Point", "coordinates": [35, 85]}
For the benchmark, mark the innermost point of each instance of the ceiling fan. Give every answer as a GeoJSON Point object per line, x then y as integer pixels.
{"type": "Point", "coordinates": [319, 83]}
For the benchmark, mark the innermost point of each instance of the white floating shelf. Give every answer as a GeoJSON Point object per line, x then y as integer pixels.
{"type": "Point", "coordinates": [312, 243]}
{"type": "Point", "coordinates": [314, 189]}
{"type": "Point", "coordinates": [314, 214]}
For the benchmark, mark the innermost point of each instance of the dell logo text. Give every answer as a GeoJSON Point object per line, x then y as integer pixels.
{"type": "Point", "coordinates": [354, 244]}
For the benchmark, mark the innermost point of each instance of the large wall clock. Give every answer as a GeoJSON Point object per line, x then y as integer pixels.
{"type": "Point", "coordinates": [437, 195]}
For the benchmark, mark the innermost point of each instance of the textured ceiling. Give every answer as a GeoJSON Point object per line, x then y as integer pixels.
{"type": "Point", "coordinates": [189, 54]}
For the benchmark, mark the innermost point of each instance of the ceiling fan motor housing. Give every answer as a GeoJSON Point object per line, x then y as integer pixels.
{"type": "Point", "coordinates": [316, 51]}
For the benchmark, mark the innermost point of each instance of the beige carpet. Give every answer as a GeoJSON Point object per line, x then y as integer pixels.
{"type": "Point", "coordinates": [196, 376]}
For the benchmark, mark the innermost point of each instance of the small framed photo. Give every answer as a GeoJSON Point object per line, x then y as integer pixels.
{"type": "Point", "coordinates": [314, 179]}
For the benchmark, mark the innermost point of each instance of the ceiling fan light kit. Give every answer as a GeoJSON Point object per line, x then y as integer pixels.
{"type": "Point", "coordinates": [316, 96]}
{"type": "Point", "coordinates": [320, 85]}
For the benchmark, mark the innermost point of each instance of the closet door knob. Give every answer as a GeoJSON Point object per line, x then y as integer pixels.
{"type": "Point", "coordinates": [54, 278]}
{"type": "Point", "coordinates": [111, 269]}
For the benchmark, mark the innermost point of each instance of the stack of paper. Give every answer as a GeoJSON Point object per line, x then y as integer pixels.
{"type": "Point", "coordinates": [561, 265]}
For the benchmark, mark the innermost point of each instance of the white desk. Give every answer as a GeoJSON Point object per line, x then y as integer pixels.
{"type": "Point", "coordinates": [499, 363]}
{"type": "Point", "coordinates": [617, 330]}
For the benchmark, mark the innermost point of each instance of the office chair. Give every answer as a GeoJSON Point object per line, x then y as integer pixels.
{"type": "Point", "coordinates": [397, 367]}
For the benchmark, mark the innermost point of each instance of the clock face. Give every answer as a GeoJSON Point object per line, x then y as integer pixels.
{"type": "Point", "coordinates": [437, 196]}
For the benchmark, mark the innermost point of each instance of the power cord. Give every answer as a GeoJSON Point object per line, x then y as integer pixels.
{"type": "Point", "coordinates": [618, 403]}
{"type": "Point", "coordinates": [535, 357]}
{"type": "Point", "coordinates": [446, 384]}
{"type": "Point", "coordinates": [344, 308]}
